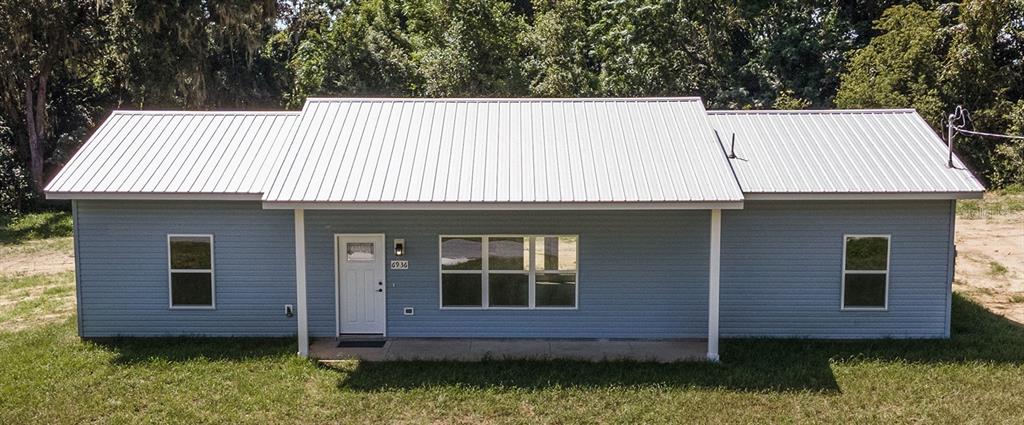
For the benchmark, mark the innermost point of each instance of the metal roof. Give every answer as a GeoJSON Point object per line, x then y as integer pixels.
{"type": "Point", "coordinates": [507, 153]}
{"type": "Point", "coordinates": [157, 153]}
{"type": "Point", "coordinates": [840, 152]}
{"type": "Point", "coordinates": [519, 151]}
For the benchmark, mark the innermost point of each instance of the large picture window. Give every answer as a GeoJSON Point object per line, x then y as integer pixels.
{"type": "Point", "coordinates": [509, 271]}
{"type": "Point", "coordinates": [865, 272]}
{"type": "Point", "coordinates": [190, 275]}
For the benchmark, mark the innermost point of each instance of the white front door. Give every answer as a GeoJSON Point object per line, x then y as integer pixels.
{"type": "Point", "coordinates": [361, 285]}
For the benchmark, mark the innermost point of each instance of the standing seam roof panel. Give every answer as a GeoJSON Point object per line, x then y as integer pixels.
{"type": "Point", "coordinates": [868, 151]}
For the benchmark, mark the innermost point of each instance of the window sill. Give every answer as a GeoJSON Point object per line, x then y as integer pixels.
{"type": "Point", "coordinates": [198, 307]}
{"type": "Point", "coordinates": [511, 308]}
{"type": "Point", "coordinates": [855, 309]}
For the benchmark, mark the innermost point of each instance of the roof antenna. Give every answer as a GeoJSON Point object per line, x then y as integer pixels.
{"type": "Point", "coordinates": [732, 147]}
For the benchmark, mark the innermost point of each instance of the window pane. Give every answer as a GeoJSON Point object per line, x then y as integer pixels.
{"type": "Point", "coordinates": [461, 254]}
{"type": "Point", "coordinates": [865, 290]}
{"type": "Point", "coordinates": [190, 252]}
{"type": "Point", "coordinates": [556, 253]}
{"type": "Point", "coordinates": [556, 290]}
{"type": "Point", "coordinates": [509, 290]}
{"type": "Point", "coordinates": [508, 253]}
{"type": "Point", "coordinates": [461, 290]}
{"type": "Point", "coordinates": [869, 253]}
{"type": "Point", "coordinates": [359, 251]}
{"type": "Point", "coordinates": [191, 289]}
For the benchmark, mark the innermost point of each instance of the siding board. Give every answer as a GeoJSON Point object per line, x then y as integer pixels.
{"type": "Point", "coordinates": [643, 274]}
{"type": "Point", "coordinates": [782, 269]}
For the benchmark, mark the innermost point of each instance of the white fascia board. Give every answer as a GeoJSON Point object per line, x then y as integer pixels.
{"type": "Point", "coordinates": [512, 206]}
{"type": "Point", "coordinates": [861, 196]}
{"type": "Point", "coordinates": [154, 196]}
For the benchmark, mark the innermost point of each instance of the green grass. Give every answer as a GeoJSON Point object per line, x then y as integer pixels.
{"type": "Point", "coordinates": [998, 202]}
{"type": "Point", "coordinates": [32, 226]}
{"type": "Point", "coordinates": [50, 376]}
{"type": "Point", "coordinates": [996, 268]}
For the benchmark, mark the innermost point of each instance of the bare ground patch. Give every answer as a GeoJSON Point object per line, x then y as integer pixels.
{"type": "Point", "coordinates": [43, 256]}
{"type": "Point", "coordinates": [28, 301]}
{"type": "Point", "coordinates": [990, 262]}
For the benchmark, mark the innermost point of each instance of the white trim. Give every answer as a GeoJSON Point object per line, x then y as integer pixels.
{"type": "Point", "coordinates": [171, 270]}
{"type": "Point", "coordinates": [300, 283]}
{"type": "Point", "coordinates": [337, 276]}
{"type": "Point", "coordinates": [156, 196]}
{"type": "Point", "coordinates": [888, 257]}
{"type": "Point", "coordinates": [484, 273]}
{"type": "Point", "coordinates": [859, 196]}
{"type": "Point", "coordinates": [714, 283]}
{"type": "Point", "coordinates": [515, 206]}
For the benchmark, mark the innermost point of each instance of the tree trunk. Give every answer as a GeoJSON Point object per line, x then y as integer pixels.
{"type": "Point", "coordinates": [36, 126]}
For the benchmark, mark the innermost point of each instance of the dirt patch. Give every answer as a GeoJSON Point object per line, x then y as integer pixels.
{"type": "Point", "coordinates": [27, 301]}
{"type": "Point", "coordinates": [45, 256]}
{"type": "Point", "coordinates": [990, 262]}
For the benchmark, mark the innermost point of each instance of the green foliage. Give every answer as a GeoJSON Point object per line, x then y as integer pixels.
{"type": "Point", "coordinates": [921, 61]}
{"type": "Point", "coordinates": [188, 53]}
{"type": "Point", "coordinates": [558, 61]}
{"type": "Point", "coordinates": [15, 186]}
{"type": "Point", "coordinates": [16, 229]}
{"type": "Point", "coordinates": [238, 54]}
{"type": "Point", "coordinates": [660, 48]}
{"type": "Point", "coordinates": [900, 67]}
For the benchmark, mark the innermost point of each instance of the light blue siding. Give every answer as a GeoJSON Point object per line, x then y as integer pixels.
{"type": "Point", "coordinates": [782, 269]}
{"type": "Point", "coordinates": [643, 274]}
{"type": "Point", "coordinates": [122, 268]}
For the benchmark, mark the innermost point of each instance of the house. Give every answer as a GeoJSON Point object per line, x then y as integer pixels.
{"type": "Point", "coordinates": [538, 218]}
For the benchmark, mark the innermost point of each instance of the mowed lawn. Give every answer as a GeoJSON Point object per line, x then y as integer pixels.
{"type": "Point", "coordinates": [48, 375]}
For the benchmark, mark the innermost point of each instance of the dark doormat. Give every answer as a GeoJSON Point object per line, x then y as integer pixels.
{"type": "Point", "coordinates": [362, 344]}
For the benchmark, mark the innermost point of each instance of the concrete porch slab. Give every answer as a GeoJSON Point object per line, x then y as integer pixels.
{"type": "Point", "coordinates": [476, 349]}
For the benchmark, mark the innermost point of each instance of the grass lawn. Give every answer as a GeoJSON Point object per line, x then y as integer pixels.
{"type": "Point", "coordinates": [48, 375]}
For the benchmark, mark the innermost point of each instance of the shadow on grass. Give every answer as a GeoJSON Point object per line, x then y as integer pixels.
{"type": "Point", "coordinates": [145, 350]}
{"type": "Point", "coordinates": [781, 365]}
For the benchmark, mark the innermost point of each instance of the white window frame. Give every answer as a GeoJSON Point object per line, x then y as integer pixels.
{"type": "Point", "coordinates": [888, 266]}
{"type": "Point", "coordinates": [485, 272]}
{"type": "Point", "coordinates": [213, 277]}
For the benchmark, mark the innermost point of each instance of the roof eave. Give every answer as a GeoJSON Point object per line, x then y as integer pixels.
{"type": "Point", "coordinates": [153, 196]}
{"type": "Point", "coordinates": [861, 196]}
{"type": "Point", "coordinates": [508, 206]}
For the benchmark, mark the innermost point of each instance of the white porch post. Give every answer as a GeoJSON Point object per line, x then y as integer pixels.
{"type": "Point", "coordinates": [713, 283]}
{"type": "Point", "coordinates": [300, 281]}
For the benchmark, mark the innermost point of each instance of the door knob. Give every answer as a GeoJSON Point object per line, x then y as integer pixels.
{"type": "Point", "coordinates": [380, 290]}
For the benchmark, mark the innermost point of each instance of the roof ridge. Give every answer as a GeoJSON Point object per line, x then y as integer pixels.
{"type": "Point", "coordinates": [187, 112]}
{"type": "Point", "coordinates": [811, 111]}
{"type": "Point", "coordinates": [504, 99]}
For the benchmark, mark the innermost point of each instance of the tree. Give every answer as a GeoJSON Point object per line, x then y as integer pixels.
{"type": "Point", "coordinates": [414, 47]}
{"type": "Point", "coordinates": [900, 67]}
{"type": "Point", "coordinates": [660, 47]}
{"type": "Point", "coordinates": [791, 53]}
{"type": "Point", "coordinates": [42, 37]}
{"type": "Point", "coordinates": [558, 63]}
{"type": "Point", "coordinates": [188, 53]}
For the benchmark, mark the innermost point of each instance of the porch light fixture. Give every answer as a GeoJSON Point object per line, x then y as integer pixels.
{"type": "Point", "coordinates": [399, 247]}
